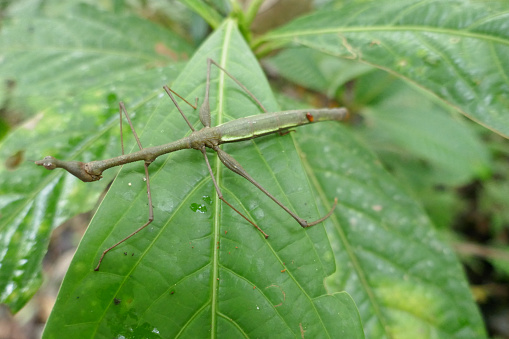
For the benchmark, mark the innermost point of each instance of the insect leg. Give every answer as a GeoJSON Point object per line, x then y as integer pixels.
{"type": "Point", "coordinates": [210, 61]}
{"type": "Point", "coordinates": [235, 166]}
{"type": "Point", "coordinates": [220, 195]}
{"type": "Point", "coordinates": [205, 106]}
{"type": "Point", "coordinates": [149, 194]}
{"type": "Point", "coordinates": [169, 91]}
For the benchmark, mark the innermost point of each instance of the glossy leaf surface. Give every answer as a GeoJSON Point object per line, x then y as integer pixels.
{"type": "Point", "coordinates": [64, 73]}
{"type": "Point", "coordinates": [397, 119]}
{"type": "Point", "coordinates": [199, 269]}
{"type": "Point", "coordinates": [405, 281]}
{"type": "Point", "coordinates": [454, 49]}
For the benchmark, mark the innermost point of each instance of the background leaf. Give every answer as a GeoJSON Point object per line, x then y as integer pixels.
{"type": "Point", "coordinates": [206, 11]}
{"type": "Point", "coordinates": [420, 41]}
{"type": "Point", "coordinates": [316, 70]}
{"type": "Point", "coordinates": [397, 119]}
{"type": "Point", "coordinates": [406, 282]}
{"type": "Point", "coordinates": [206, 270]}
{"type": "Point", "coordinates": [66, 50]}
{"type": "Point", "coordinates": [74, 83]}
{"type": "Point", "coordinates": [409, 123]}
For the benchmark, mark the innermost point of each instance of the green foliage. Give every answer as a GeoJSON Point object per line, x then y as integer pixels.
{"type": "Point", "coordinates": [73, 82]}
{"type": "Point", "coordinates": [378, 267]}
{"type": "Point", "coordinates": [422, 42]}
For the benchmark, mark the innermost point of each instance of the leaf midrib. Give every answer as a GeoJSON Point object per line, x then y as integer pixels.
{"type": "Point", "coordinates": [379, 29]}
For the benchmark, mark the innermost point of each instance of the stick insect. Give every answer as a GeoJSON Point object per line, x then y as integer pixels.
{"type": "Point", "coordinates": [207, 137]}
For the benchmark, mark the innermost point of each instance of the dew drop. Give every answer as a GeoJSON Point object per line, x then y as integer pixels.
{"type": "Point", "coordinates": [198, 207]}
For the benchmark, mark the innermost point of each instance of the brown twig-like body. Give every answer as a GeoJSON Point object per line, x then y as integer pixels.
{"type": "Point", "coordinates": [207, 137]}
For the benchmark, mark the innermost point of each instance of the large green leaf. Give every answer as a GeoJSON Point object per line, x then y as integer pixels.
{"type": "Point", "coordinates": [71, 71]}
{"type": "Point", "coordinates": [454, 49]}
{"type": "Point", "coordinates": [84, 49]}
{"type": "Point", "coordinates": [406, 282]}
{"type": "Point", "coordinates": [199, 269]}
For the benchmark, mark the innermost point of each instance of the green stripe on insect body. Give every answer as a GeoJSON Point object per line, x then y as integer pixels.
{"type": "Point", "coordinates": [262, 124]}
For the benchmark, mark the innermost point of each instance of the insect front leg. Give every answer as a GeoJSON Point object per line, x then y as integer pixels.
{"type": "Point", "coordinates": [205, 106]}
{"type": "Point", "coordinates": [169, 91]}
{"type": "Point", "coordinates": [149, 194]}
{"type": "Point", "coordinates": [210, 62]}
{"type": "Point", "coordinates": [205, 116]}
